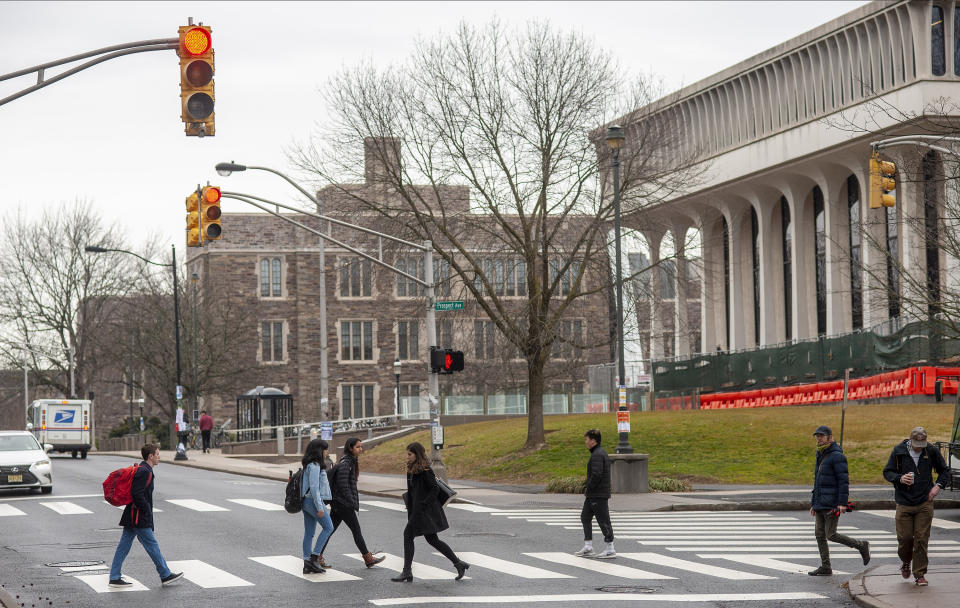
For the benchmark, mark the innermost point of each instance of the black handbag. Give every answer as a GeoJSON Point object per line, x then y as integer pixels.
{"type": "Point", "coordinates": [444, 492]}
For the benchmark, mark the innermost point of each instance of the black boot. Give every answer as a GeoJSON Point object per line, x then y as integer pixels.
{"type": "Point", "coordinates": [404, 577]}
{"type": "Point", "coordinates": [311, 568]}
{"type": "Point", "coordinates": [318, 560]}
{"type": "Point", "coordinates": [461, 567]}
{"type": "Point", "coordinates": [821, 571]}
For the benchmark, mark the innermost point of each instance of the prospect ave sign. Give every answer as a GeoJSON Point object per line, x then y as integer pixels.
{"type": "Point", "coordinates": [451, 305]}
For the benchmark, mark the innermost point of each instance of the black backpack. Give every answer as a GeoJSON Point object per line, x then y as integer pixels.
{"type": "Point", "coordinates": [293, 502]}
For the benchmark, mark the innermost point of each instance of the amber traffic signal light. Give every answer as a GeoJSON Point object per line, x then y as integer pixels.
{"type": "Point", "coordinates": [193, 221]}
{"type": "Point", "coordinates": [210, 213]}
{"type": "Point", "coordinates": [882, 182]}
{"type": "Point", "coordinates": [196, 80]}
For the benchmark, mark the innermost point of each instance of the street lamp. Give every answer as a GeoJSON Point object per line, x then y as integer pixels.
{"type": "Point", "coordinates": [615, 140]}
{"type": "Point", "coordinates": [176, 306]}
{"type": "Point", "coordinates": [194, 278]}
{"type": "Point", "coordinates": [396, 403]}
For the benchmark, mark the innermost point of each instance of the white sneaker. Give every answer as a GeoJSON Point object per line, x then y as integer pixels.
{"type": "Point", "coordinates": [607, 553]}
{"type": "Point", "coordinates": [585, 552]}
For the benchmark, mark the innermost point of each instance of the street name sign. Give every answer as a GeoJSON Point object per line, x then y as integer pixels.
{"type": "Point", "coordinates": [449, 305]}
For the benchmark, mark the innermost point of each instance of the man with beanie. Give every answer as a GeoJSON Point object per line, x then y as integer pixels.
{"type": "Point", "coordinates": [910, 470]}
{"type": "Point", "coordinates": [831, 489]}
{"type": "Point", "coordinates": [596, 494]}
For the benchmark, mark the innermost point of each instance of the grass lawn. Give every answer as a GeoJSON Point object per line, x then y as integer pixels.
{"type": "Point", "coordinates": [749, 446]}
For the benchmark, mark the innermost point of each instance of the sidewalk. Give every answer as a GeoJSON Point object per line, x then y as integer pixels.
{"type": "Point", "coordinates": [883, 587]}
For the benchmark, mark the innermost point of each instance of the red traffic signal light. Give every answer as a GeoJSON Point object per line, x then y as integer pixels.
{"type": "Point", "coordinates": [196, 80]}
{"type": "Point", "coordinates": [446, 361]}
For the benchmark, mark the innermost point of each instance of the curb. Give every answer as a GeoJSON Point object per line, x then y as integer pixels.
{"type": "Point", "coordinates": [858, 592]}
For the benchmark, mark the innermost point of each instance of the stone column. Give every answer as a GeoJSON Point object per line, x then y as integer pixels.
{"type": "Point", "coordinates": [654, 239]}
{"type": "Point", "coordinates": [681, 312]}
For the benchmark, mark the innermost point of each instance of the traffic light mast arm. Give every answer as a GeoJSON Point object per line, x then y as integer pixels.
{"type": "Point", "coordinates": [110, 52]}
{"type": "Point", "coordinates": [915, 140]}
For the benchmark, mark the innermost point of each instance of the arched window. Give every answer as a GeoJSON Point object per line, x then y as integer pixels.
{"type": "Point", "coordinates": [726, 278]}
{"type": "Point", "coordinates": [893, 264]}
{"type": "Point", "coordinates": [938, 60]}
{"type": "Point", "coordinates": [931, 230]}
{"type": "Point", "coordinates": [755, 240]}
{"type": "Point", "coordinates": [786, 233]}
{"type": "Point", "coordinates": [856, 261]}
{"type": "Point", "coordinates": [820, 232]}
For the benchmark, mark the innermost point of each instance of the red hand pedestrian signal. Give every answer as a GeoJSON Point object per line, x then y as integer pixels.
{"type": "Point", "coordinates": [446, 361]}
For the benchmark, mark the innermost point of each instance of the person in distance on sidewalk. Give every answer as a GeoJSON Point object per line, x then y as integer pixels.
{"type": "Point", "coordinates": [346, 499]}
{"type": "Point", "coordinates": [314, 490]}
{"type": "Point", "coordinates": [831, 489]}
{"type": "Point", "coordinates": [137, 522]}
{"type": "Point", "coordinates": [596, 497]}
{"type": "Point", "coordinates": [425, 515]}
{"type": "Point", "coordinates": [910, 470]}
{"type": "Point", "coordinates": [206, 425]}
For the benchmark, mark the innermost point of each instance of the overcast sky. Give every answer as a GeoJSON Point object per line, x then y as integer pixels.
{"type": "Point", "coordinates": [112, 134]}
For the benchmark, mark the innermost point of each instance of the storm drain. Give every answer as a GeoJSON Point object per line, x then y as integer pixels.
{"type": "Point", "coordinates": [626, 589]}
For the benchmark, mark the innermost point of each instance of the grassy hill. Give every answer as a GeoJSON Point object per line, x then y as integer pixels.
{"type": "Point", "coordinates": [749, 446]}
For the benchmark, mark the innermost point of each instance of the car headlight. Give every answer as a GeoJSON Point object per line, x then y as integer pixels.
{"type": "Point", "coordinates": [41, 463]}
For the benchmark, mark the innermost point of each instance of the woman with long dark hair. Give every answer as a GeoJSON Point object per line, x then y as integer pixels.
{"type": "Point", "coordinates": [424, 513]}
{"type": "Point", "coordinates": [346, 499]}
{"type": "Point", "coordinates": [315, 489]}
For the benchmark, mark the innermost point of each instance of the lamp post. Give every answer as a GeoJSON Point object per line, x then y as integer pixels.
{"type": "Point", "coordinates": [194, 278]}
{"type": "Point", "coordinates": [396, 402]}
{"type": "Point", "coordinates": [176, 305]}
{"type": "Point", "coordinates": [615, 139]}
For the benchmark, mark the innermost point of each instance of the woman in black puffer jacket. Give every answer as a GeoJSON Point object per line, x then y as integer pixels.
{"type": "Point", "coordinates": [346, 499]}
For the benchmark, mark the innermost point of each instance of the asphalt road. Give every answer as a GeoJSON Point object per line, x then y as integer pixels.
{"type": "Point", "coordinates": [238, 554]}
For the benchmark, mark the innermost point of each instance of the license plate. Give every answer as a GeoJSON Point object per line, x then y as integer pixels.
{"type": "Point", "coordinates": [14, 478]}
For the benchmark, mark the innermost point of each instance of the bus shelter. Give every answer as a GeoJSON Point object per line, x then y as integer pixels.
{"type": "Point", "coordinates": [262, 407]}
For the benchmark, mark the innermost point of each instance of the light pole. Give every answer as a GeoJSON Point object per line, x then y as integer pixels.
{"type": "Point", "coordinates": [176, 306]}
{"type": "Point", "coordinates": [615, 139]}
{"type": "Point", "coordinates": [396, 402]}
{"type": "Point", "coordinates": [194, 278]}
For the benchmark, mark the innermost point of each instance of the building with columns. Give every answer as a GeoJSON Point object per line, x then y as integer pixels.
{"type": "Point", "coordinates": [790, 248]}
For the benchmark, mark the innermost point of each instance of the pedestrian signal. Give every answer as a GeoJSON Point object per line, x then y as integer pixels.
{"type": "Point", "coordinates": [446, 361]}
{"type": "Point", "coordinates": [196, 80]}
{"type": "Point", "coordinates": [882, 182]}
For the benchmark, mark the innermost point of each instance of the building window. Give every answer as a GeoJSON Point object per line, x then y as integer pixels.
{"type": "Point", "coordinates": [356, 341]}
{"type": "Point", "coordinates": [938, 61]}
{"type": "Point", "coordinates": [407, 287]}
{"type": "Point", "coordinates": [408, 340]}
{"type": "Point", "coordinates": [755, 244]}
{"type": "Point", "coordinates": [786, 234]}
{"type": "Point", "coordinates": [356, 278]}
{"type": "Point", "coordinates": [856, 269]}
{"type": "Point", "coordinates": [820, 236]}
{"type": "Point", "coordinates": [932, 231]}
{"type": "Point", "coordinates": [726, 278]}
{"type": "Point", "coordinates": [483, 339]}
{"type": "Point", "coordinates": [356, 401]}
{"type": "Point", "coordinates": [668, 275]}
{"type": "Point", "coordinates": [444, 333]}
{"type": "Point", "coordinates": [271, 341]}
{"type": "Point", "coordinates": [441, 277]}
{"type": "Point", "coordinates": [506, 276]}
{"type": "Point", "coordinates": [893, 263]}
{"type": "Point", "coordinates": [409, 398]}
{"type": "Point", "coordinates": [568, 341]}
{"type": "Point", "coordinates": [132, 385]}
{"type": "Point", "coordinates": [270, 278]}
{"type": "Point", "coordinates": [568, 277]}
{"type": "Point", "coordinates": [639, 269]}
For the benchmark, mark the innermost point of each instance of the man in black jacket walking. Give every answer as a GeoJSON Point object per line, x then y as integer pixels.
{"type": "Point", "coordinates": [910, 470]}
{"type": "Point", "coordinates": [596, 494]}
{"type": "Point", "coordinates": [137, 522]}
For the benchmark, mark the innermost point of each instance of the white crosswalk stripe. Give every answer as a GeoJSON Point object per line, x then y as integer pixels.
{"type": "Point", "coordinates": [101, 583]}
{"type": "Point", "coordinates": [392, 506]}
{"type": "Point", "coordinates": [9, 511]}
{"type": "Point", "coordinates": [195, 505]}
{"type": "Point", "coordinates": [504, 566]}
{"type": "Point", "coordinates": [204, 575]}
{"type": "Point", "coordinates": [419, 571]}
{"type": "Point", "coordinates": [768, 599]}
{"type": "Point", "coordinates": [293, 565]}
{"type": "Point", "coordinates": [257, 504]}
{"type": "Point", "coordinates": [773, 564]}
{"type": "Point", "coordinates": [603, 567]}
{"type": "Point", "coordinates": [697, 567]}
{"type": "Point", "coordinates": [65, 508]}
{"type": "Point", "coordinates": [122, 507]}
{"type": "Point", "coordinates": [473, 508]}
{"type": "Point", "coordinates": [946, 524]}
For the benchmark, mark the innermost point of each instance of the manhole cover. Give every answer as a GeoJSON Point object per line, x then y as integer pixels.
{"type": "Point", "coordinates": [504, 534]}
{"type": "Point", "coordinates": [626, 589]}
{"type": "Point", "coordinates": [75, 564]}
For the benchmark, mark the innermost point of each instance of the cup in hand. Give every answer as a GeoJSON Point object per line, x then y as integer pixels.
{"type": "Point", "coordinates": [908, 479]}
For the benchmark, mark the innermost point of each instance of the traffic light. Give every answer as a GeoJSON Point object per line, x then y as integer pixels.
{"type": "Point", "coordinates": [193, 220]}
{"type": "Point", "coordinates": [882, 182]}
{"type": "Point", "coordinates": [196, 80]}
{"type": "Point", "coordinates": [445, 360]}
{"type": "Point", "coordinates": [210, 213]}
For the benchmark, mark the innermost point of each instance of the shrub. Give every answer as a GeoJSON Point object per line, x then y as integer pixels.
{"type": "Point", "coordinates": [668, 484]}
{"type": "Point", "coordinates": [567, 485]}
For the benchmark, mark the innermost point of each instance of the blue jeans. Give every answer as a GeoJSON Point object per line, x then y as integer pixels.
{"type": "Point", "coordinates": [149, 542]}
{"type": "Point", "coordinates": [310, 521]}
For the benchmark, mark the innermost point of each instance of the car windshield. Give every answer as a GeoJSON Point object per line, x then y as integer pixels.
{"type": "Point", "coordinates": [16, 443]}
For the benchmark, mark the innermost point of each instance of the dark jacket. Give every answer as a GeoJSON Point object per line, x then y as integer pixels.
{"type": "Point", "coordinates": [343, 483]}
{"type": "Point", "coordinates": [901, 462]}
{"type": "Point", "coordinates": [139, 513]}
{"type": "Point", "coordinates": [831, 481]}
{"type": "Point", "coordinates": [425, 513]}
{"type": "Point", "coordinates": [598, 474]}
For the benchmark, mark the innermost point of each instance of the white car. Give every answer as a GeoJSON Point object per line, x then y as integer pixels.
{"type": "Point", "coordinates": [24, 463]}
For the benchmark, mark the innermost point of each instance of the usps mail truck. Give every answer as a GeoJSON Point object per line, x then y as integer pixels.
{"type": "Point", "coordinates": [63, 423]}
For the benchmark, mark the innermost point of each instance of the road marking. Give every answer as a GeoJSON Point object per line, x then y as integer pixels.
{"type": "Point", "coordinates": [10, 510]}
{"type": "Point", "coordinates": [707, 598]}
{"type": "Point", "coordinates": [603, 567]}
{"type": "Point", "coordinates": [422, 571]}
{"type": "Point", "coordinates": [754, 543]}
{"type": "Point", "coordinates": [773, 564]}
{"type": "Point", "coordinates": [677, 514]}
{"type": "Point", "coordinates": [45, 498]}
{"type": "Point", "coordinates": [937, 522]}
{"type": "Point", "coordinates": [71, 569]}
{"type": "Point", "coordinates": [782, 547]}
{"type": "Point", "coordinates": [799, 536]}
{"type": "Point", "coordinates": [293, 565]}
{"type": "Point", "coordinates": [101, 583]}
{"type": "Point", "coordinates": [834, 554]}
{"type": "Point", "coordinates": [204, 575]}
{"type": "Point", "coordinates": [65, 508]}
{"type": "Point", "coordinates": [195, 505]}
{"type": "Point", "coordinates": [393, 506]}
{"type": "Point", "coordinates": [256, 503]}
{"type": "Point", "coordinates": [122, 507]}
{"type": "Point", "coordinates": [507, 567]}
{"type": "Point", "coordinates": [697, 567]}
{"type": "Point", "coordinates": [474, 508]}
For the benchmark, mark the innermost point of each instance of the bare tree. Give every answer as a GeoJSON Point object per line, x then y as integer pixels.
{"type": "Point", "coordinates": [487, 142]}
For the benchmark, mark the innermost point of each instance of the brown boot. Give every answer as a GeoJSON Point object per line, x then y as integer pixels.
{"type": "Point", "coordinates": [372, 561]}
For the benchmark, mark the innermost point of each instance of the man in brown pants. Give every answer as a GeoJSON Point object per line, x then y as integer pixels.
{"type": "Point", "coordinates": [910, 470]}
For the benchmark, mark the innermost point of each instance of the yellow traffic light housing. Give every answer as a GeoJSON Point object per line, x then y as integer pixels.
{"type": "Point", "coordinates": [196, 80]}
{"type": "Point", "coordinates": [193, 221]}
{"type": "Point", "coordinates": [210, 213]}
{"type": "Point", "coordinates": [882, 182]}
